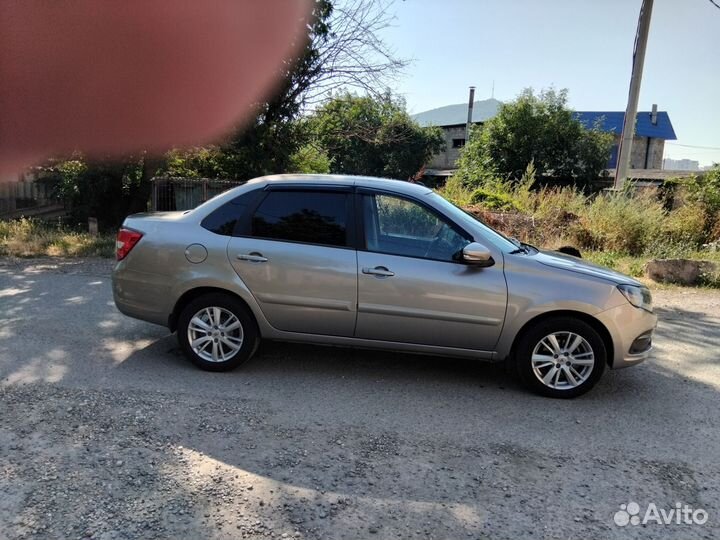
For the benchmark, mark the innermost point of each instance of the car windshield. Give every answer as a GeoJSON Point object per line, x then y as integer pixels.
{"type": "Point", "coordinates": [458, 214]}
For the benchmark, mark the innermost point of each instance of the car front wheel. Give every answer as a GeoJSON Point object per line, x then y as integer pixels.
{"type": "Point", "coordinates": [561, 357]}
{"type": "Point", "coordinates": [217, 332]}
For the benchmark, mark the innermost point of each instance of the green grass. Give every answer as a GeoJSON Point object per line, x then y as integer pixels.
{"type": "Point", "coordinates": [32, 238]}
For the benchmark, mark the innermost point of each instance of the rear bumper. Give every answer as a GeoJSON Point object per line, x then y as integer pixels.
{"type": "Point", "coordinates": [631, 330]}
{"type": "Point", "coordinates": [141, 296]}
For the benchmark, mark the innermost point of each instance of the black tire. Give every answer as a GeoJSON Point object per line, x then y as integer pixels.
{"type": "Point", "coordinates": [534, 335]}
{"type": "Point", "coordinates": [229, 359]}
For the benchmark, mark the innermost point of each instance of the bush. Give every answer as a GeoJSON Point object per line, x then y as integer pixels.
{"type": "Point", "coordinates": [704, 190]}
{"type": "Point", "coordinates": [493, 200]}
{"type": "Point", "coordinates": [623, 223]}
{"type": "Point", "coordinates": [456, 191]}
{"type": "Point", "coordinates": [686, 225]}
{"type": "Point", "coordinates": [631, 222]}
{"type": "Point", "coordinates": [538, 129]}
{"type": "Point", "coordinates": [559, 204]}
{"type": "Point", "coordinates": [310, 159]}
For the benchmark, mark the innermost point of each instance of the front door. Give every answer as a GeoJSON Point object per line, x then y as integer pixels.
{"type": "Point", "coordinates": [299, 261]}
{"type": "Point", "coordinates": [413, 286]}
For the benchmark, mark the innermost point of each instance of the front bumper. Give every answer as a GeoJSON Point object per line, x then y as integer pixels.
{"type": "Point", "coordinates": [631, 330]}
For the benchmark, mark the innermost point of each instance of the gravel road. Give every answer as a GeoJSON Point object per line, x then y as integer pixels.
{"type": "Point", "coordinates": [107, 432]}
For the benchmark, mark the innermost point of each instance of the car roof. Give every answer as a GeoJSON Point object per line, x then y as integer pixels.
{"type": "Point", "coordinates": [398, 186]}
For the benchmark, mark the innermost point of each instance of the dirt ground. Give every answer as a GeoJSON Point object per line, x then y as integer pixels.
{"type": "Point", "coordinates": [107, 432]}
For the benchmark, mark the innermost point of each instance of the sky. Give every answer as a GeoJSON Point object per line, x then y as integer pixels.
{"type": "Point", "coordinates": [582, 45]}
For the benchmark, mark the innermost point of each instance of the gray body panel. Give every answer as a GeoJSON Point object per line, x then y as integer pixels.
{"type": "Point", "coordinates": [311, 293]}
{"type": "Point", "coordinates": [430, 302]}
{"type": "Point", "coordinates": [301, 287]}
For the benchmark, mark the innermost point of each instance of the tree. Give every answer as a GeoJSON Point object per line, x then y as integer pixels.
{"type": "Point", "coordinates": [108, 189]}
{"type": "Point", "coordinates": [310, 158]}
{"type": "Point", "coordinates": [351, 54]}
{"type": "Point", "coordinates": [540, 129]}
{"type": "Point", "coordinates": [373, 136]}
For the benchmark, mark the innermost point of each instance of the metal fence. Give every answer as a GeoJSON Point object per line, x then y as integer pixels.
{"type": "Point", "coordinates": [29, 197]}
{"type": "Point", "coordinates": [186, 193]}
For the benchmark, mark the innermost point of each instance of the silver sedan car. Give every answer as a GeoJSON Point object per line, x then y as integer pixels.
{"type": "Point", "coordinates": [374, 263]}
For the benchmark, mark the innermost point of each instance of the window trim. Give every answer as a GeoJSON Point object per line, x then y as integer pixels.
{"type": "Point", "coordinates": [360, 218]}
{"type": "Point", "coordinates": [350, 228]}
{"type": "Point", "coordinates": [304, 186]}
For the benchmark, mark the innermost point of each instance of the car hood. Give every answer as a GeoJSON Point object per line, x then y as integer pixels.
{"type": "Point", "coordinates": [573, 264]}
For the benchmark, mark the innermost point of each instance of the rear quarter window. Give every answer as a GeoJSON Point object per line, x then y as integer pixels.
{"type": "Point", "coordinates": [226, 219]}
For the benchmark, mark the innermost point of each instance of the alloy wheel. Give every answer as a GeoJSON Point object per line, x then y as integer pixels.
{"type": "Point", "coordinates": [215, 334]}
{"type": "Point", "coordinates": [563, 360]}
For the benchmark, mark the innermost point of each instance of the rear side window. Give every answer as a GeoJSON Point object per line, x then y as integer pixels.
{"type": "Point", "coordinates": [303, 216]}
{"type": "Point", "coordinates": [224, 220]}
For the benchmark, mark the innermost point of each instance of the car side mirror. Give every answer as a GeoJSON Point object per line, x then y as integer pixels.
{"type": "Point", "coordinates": [477, 255]}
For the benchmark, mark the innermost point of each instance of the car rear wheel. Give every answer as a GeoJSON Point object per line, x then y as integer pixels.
{"type": "Point", "coordinates": [217, 332]}
{"type": "Point", "coordinates": [562, 357]}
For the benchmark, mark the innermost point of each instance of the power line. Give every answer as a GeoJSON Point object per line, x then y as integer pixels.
{"type": "Point", "coordinates": [714, 3]}
{"type": "Point", "coordinates": [694, 146]}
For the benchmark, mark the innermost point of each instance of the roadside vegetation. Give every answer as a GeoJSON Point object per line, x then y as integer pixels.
{"type": "Point", "coordinates": [621, 230]}
{"type": "Point", "coordinates": [33, 238]}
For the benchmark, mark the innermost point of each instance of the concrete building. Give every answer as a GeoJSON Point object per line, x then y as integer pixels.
{"type": "Point", "coordinates": [453, 120]}
{"type": "Point", "coordinates": [681, 164]}
{"type": "Point", "coordinates": [651, 132]}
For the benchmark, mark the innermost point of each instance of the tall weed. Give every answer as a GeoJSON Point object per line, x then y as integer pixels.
{"type": "Point", "coordinates": [622, 222]}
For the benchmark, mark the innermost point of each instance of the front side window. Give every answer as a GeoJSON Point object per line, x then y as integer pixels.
{"type": "Point", "coordinates": [399, 226]}
{"type": "Point", "coordinates": [298, 216]}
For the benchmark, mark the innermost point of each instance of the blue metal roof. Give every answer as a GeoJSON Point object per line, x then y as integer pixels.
{"type": "Point", "coordinates": [613, 121]}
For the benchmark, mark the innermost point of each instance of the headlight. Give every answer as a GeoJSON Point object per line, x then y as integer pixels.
{"type": "Point", "coordinates": [639, 297]}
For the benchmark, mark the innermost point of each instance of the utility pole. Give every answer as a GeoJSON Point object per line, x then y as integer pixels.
{"type": "Point", "coordinates": [628, 132]}
{"type": "Point", "coordinates": [469, 119]}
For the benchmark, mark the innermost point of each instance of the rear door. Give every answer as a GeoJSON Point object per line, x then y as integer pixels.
{"type": "Point", "coordinates": [298, 259]}
{"type": "Point", "coordinates": [412, 284]}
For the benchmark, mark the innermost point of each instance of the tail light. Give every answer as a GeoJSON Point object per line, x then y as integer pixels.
{"type": "Point", "coordinates": [126, 240]}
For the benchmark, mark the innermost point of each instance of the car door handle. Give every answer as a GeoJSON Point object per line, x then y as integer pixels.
{"type": "Point", "coordinates": [380, 271]}
{"type": "Point", "coordinates": [252, 257]}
